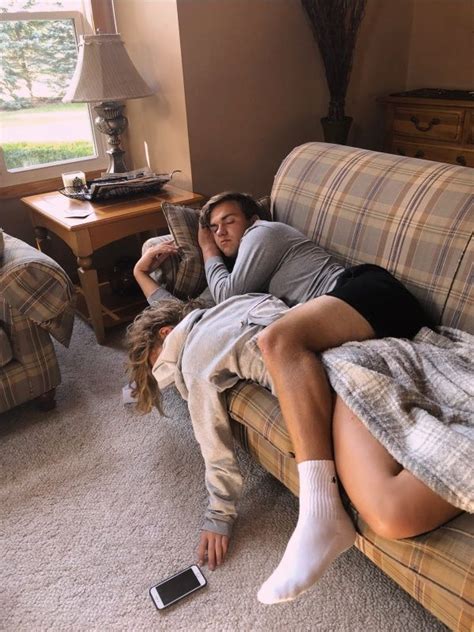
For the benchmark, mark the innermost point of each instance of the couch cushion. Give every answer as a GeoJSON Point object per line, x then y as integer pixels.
{"type": "Point", "coordinates": [282, 467]}
{"type": "Point", "coordinates": [257, 408]}
{"type": "Point", "coordinates": [411, 216]}
{"type": "Point", "coordinates": [438, 561]}
{"type": "Point", "coordinates": [6, 353]}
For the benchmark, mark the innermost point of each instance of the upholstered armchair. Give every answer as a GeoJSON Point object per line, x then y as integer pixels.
{"type": "Point", "coordinates": [35, 304]}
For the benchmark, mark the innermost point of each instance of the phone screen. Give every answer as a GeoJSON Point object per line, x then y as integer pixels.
{"type": "Point", "coordinates": [177, 586]}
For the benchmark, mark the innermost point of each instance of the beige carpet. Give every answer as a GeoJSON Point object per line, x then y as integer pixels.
{"type": "Point", "coordinates": [97, 504]}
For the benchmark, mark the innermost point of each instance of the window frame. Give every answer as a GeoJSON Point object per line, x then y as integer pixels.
{"type": "Point", "coordinates": [38, 173]}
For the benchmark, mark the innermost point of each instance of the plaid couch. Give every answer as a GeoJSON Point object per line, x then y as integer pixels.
{"type": "Point", "coordinates": [35, 304]}
{"type": "Point", "coordinates": [415, 218]}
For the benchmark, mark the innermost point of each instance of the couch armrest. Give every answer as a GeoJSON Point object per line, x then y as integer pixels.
{"type": "Point", "coordinates": [37, 287]}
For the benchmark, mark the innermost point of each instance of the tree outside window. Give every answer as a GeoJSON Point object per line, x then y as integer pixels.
{"type": "Point", "coordinates": [38, 55]}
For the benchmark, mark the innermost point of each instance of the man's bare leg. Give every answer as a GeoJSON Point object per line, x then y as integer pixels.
{"type": "Point", "coordinates": [324, 530]}
{"type": "Point", "coordinates": [389, 499]}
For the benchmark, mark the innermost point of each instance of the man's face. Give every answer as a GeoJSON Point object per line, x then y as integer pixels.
{"type": "Point", "coordinates": [228, 223]}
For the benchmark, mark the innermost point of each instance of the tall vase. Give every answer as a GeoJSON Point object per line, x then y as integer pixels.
{"type": "Point", "coordinates": [336, 131]}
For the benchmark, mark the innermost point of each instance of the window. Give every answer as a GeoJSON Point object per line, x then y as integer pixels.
{"type": "Point", "coordinates": [40, 136]}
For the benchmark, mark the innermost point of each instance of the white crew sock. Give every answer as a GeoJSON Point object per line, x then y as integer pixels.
{"type": "Point", "coordinates": [324, 530]}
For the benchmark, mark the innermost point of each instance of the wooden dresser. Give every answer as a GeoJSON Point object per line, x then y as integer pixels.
{"type": "Point", "coordinates": [431, 124]}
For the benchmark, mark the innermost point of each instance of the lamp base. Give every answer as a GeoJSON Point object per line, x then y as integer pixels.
{"type": "Point", "coordinates": [110, 120]}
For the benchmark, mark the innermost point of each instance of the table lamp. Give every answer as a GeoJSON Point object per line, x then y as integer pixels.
{"type": "Point", "coordinates": [105, 74]}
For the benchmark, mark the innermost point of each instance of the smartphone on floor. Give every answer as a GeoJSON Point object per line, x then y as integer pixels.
{"type": "Point", "coordinates": [174, 588]}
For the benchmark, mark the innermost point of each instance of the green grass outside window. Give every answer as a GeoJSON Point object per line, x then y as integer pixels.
{"type": "Point", "coordinates": [24, 154]}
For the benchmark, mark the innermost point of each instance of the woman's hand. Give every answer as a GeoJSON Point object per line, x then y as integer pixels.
{"type": "Point", "coordinates": [212, 548]}
{"type": "Point", "coordinates": [149, 261]}
{"type": "Point", "coordinates": [154, 256]}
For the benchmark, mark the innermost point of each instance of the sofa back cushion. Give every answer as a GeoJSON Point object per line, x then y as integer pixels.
{"type": "Point", "coordinates": [459, 309]}
{"type": "Point", "coordinates": [411, 216]}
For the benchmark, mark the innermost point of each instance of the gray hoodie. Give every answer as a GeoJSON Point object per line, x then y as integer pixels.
{"type": "Point", "coordinates": [208, 352]}
{"type": "Point", "coordinates": [276, 258]}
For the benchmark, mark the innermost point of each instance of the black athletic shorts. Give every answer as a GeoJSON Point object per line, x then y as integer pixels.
{"type": "Point", "coordinates": [382, 300]}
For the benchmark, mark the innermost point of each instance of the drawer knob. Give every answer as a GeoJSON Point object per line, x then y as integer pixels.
{"type": "Point", "coordinates": [419, 154]}
{"type": "Point", "coordinates": [461, 160]}
{"type": "Point", "coordinates": [416, 122]}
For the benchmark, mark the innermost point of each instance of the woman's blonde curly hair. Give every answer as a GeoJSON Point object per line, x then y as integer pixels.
{"type": "Point", "coordinates": [142, 336]}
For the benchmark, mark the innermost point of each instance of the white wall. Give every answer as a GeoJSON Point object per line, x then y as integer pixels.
{"type": "Point", "coordinates": [442, 45]}
{"type": "Point", "coordinates": [158, 130]}
{"type": "Point", "coordinates": [241, 82]}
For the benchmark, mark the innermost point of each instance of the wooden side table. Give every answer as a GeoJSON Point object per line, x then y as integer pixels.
{"type": "Point", "coordinates": [108, 222]}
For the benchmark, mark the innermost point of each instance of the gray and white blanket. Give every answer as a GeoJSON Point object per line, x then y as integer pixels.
{"type": "Point", "coordinates": [417, 398]}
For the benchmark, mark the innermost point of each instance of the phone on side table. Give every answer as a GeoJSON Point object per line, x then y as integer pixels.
{"type": "Point", "coordinates": [174, 588]}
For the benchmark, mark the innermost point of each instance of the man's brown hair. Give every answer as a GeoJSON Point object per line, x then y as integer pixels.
{"type": "Point", "coordinates": [246, 202]}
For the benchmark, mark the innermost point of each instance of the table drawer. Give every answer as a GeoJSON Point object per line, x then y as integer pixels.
{"type": "Point", "coordinates": [453, 155]}
{"type": "Point", "coordinates": [434, 123]}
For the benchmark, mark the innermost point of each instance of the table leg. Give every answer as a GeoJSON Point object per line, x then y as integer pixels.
{"type": "Point", "coordinates": [90, 286]}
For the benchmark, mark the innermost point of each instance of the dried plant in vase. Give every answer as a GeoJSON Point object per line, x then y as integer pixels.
{"type": "Point", "coordinates": [335, 24]}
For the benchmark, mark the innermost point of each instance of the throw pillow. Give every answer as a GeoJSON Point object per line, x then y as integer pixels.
{"type": "Point", "coordinates": [6, 353]}
{"type": "Point", "coordinates": [183, 223]}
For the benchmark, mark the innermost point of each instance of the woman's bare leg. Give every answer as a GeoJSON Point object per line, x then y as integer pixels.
{"type": "Point", "coordinates": [289, 347]}
{"type": "Point", "coordinates": [390, 499]}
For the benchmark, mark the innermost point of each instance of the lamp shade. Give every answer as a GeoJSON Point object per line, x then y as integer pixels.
{"type": "Point", "coordinates": [105, 72]}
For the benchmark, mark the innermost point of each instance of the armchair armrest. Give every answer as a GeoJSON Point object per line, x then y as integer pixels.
{"type": "Point", "coordinates": [37, 287]}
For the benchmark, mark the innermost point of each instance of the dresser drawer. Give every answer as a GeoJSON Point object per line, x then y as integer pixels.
{"type": "Point", "coordinates": [453, 155]}
{"type": "Point", "coordinates": [423, 122]}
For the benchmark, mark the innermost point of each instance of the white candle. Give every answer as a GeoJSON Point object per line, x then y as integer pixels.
{"type": "Point", "coordinates": [74, 179]}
